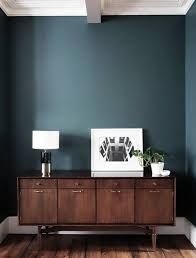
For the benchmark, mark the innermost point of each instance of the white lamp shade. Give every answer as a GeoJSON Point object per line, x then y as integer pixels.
{"type": "Point", "coordinates": [45, 140]}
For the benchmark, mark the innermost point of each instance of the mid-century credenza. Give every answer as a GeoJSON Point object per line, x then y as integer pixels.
{"type": "Point", "coordinates": [86, 203]}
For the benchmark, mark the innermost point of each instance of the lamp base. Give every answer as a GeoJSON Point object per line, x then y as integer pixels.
{"type": "Point", "coordinates": [46, 163]}
{"type": "Point", "coordinates": [46, 169]}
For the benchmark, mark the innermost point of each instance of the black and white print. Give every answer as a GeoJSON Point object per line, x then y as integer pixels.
{"type": "Point", "coordinates": [117, 148]}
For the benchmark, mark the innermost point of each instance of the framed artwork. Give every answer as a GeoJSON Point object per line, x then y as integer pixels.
{"type": "Point", "coordinates": [111, 149]}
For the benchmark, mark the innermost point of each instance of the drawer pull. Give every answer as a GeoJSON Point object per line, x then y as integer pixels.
{"type": "Point", "coordinates": [154, 191]}
{"type": "Point", "coordinates": [77, 191]}
{"type": "Point", "coordinates": [115, 191]}
{"type": "Point", "coordinates": [116, 184]}
{"type": "Point", "coordinates": [38, 183]}
{"type": "Point", "coordinates": [38, 191]}
{"type": "Point", "coordinates": [77, 184]}
{"type": "Point", "coordinates": [154, 183]}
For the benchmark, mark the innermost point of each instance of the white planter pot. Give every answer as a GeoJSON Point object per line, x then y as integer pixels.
{"type": "Point", "coordinates": [157, 168]}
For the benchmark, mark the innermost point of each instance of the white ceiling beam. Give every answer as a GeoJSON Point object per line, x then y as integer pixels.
{"type": "Point", "coordinates": [93, 8]}
{"type": "Point", "coordinates": [3, 7]}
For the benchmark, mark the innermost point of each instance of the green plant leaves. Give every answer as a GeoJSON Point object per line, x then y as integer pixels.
{"type": "Point", "coordinates": [151, 155]}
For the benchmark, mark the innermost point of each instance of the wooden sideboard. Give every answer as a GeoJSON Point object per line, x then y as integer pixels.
{"type": "Point", "coordinates": [85, 203]}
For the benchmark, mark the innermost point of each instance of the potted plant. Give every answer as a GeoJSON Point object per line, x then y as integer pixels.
{"type": "Point", "coordinates": [151, 157]}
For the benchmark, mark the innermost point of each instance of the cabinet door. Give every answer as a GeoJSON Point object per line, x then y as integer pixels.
{"type": "Point", "coordinates": [115, 206]}
{"type": "Point", "coordinates": [38, 206]}
{"type": "Point", "coordinates": [154, 206]}
{"type": "Point", "coordinates": [76, 206]}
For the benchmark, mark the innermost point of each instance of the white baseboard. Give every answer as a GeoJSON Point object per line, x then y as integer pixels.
{"type": "Point", "coordinates": [190, 232]}
{"type": "Point", "coordinates": [183, 226]}
{"type": "Point", "coordinates": [14, 228]}
{"type": "Point", "coordinates": [3, 229]}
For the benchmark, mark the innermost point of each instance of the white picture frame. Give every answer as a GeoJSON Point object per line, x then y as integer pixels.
{"type": "Point", "coordinates": [111, 149]}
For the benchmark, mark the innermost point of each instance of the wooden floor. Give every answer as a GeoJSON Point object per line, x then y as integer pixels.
{"type": "Point", "coordinates": [95, 247]}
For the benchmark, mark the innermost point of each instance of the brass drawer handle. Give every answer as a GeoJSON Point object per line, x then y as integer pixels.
{"type": "Point", "coordinates": [154, 183]}
{"type": "Point", "coordinates": [38, 191]}
{"type": "Point", "coordinates": [154, 191]}
{"type": "Point", "coordinates": [77, 191]}
{"type": "Point", "coordinates": [115, 191]}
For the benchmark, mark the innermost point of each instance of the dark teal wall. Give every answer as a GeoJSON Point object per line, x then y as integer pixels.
{"type": "Point", "coordinates": [3, 113]}
{"type": "Point", "coordinates": [71, 76]}
{"type": "Point", "coordinates": [190, 112]}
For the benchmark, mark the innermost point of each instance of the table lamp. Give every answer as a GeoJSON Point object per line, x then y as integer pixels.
{"type": "Point", "coordinates": [45, 140]}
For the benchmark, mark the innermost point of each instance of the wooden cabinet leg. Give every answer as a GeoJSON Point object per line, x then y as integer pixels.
{"type": "Point", "coordinates": [154, 238]}
{"type": "Point", "coordinates": [39, 237]}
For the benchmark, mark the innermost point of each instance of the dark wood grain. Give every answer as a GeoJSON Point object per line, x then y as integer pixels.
{"type": "Point", "coordinates": [62, 246]}
{"type": "Point", "coordinates": [20, 248]}
{"type": "Point", "coordinates": [154, 206]}
{"type": "Point", "coordinates": [185, 247]}
{"type": "Point", "coordinates": [38, 206]}
{"type": "Point", "coordinates": [115, 206]}
{"type": "Point", "coordinates": [93, 249]}
{"type": "Point", "coordinates": [76, 206]}
{"type": "Point", "coordinates": [15, 246]}
{"type": "Point", "coordinates": [169, 249]}
{"type": "Point", "coordinates": [108, 249]}
{"type": "Point", "coordinates": [33, 249]}
{"type": "Point", "coordinates": [48, 247]}
{"type": "Point", "coordinates": [78, 249]}
{"type": "Point", "coordinates": [8, 245]}
{"type": "Point", "coordinates": [121, 246]}
{"type": "Point", "coordinates": [140, 247]}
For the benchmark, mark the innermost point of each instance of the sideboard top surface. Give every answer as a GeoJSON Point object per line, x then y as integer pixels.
{"type": "Point", "coordinates": [83, 174]}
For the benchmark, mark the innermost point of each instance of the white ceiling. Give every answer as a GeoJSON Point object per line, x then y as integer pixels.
{"type": "Point", "coordinates": [93, 9]}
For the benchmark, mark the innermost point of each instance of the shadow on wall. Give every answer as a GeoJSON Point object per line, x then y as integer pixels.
{"type": "Point", "coordinates": [74, 153]}
{"type": "Point", "coordinates": [22, 121]}
{"type": "Point", "coordinates": [190, 188]}
{"type": "Point", "coordinates": [4, 127]}
{"type": "Point", "coordinates": [146, 138]}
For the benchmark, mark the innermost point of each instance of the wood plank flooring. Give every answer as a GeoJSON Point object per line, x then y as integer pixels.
{"type": "Point", "coordinates": [66, 246]}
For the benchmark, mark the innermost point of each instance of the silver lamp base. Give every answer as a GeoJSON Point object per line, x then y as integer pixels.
{"type": "Point", "coordinates": [46, 169]}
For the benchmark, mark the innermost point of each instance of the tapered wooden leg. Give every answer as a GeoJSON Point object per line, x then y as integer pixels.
{"type": "Point", "coordinates": [154, 238]}
{"type": "Point", "coordinates": [39, 238]}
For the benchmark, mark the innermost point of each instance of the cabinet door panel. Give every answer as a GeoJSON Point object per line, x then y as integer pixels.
{"type": "Point", "coordinates": [76, 206]}
{"type": "Point", "coordinates": [38, 206]}
{"type": "Point", "coordinates": [115, 206]}
{"type": "Point", "coordinates": [154, 206]}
